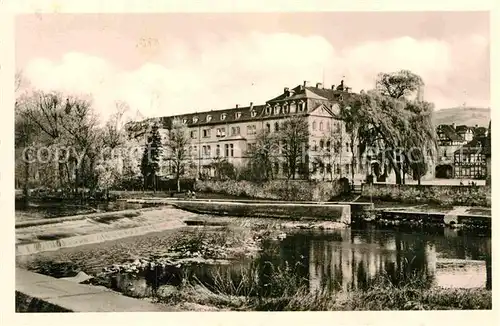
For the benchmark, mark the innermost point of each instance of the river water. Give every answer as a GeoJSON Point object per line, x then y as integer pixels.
{"type": "Point", "coordinates": [347, 259]}
{"type": "Point", "coordinates": [343, 259]}
{"type": "Point", "coordinates": [351, 259]}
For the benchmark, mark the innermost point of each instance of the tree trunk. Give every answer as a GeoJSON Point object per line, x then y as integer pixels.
{"type": "Point", "coordinates": [398, 176]}
{"type": "Point", "coordinates": [178, 183]}
{"type": "Point", "coordinates": [26, 177]}
{"type": "Point", "coordinates": [154, 182]}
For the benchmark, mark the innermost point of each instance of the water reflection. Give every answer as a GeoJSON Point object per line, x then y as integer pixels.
{"type": "Point", "coordinates": [354, 259]}
{"type": "Point", "coordinates": [343, 260]}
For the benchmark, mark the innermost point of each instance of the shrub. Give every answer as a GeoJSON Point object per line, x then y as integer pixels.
{"type": "Point", "coordinates": [441, 195]}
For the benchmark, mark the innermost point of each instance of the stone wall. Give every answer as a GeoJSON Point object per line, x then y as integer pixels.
{"type": "Point", "coordinates": [276, 190]}
{"type": "Point", "coordinates": [434, 194]}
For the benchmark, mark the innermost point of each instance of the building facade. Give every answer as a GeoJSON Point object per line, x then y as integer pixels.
{"type": "Point", "coordinates": [462, 152]}
{"type": "Point", "coordinates": [231, 134]}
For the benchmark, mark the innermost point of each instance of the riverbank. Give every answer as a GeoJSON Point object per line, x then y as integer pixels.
{"type": "Point", "coordinates": [225, 263]}
{"type": "Point", "coordinates": [381, 297]}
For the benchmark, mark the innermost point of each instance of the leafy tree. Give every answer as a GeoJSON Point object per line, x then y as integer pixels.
{"type": "Point", "coordinates": [151, 156]}
{"type": "Point", "coordinates": [293, 137]}
{"type": "Point", "coordinates": [224, 169]}
{"type": "Point", "coordinates": [177, 146]}
{"type": "Point", "coordinates": [394, 126]}
{"type": "Point", "coordinates": [399, 84]}
{"type": "Point", "coordinates": [421, 140]}
{"type": "Point", "coordinates": [394, 123]}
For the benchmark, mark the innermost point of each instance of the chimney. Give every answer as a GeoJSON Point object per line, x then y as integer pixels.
{"type": "Point", "coordinates": [319, 85]}
{"type": "Point", "coordinates": [237, 105]}
{"type": "Point", "coordinates": [251, 105]}
{"type": "Point", "coordinates": [286, 91]}
{"type": "Point", "coordinates": [477, 126]}
{"type": "Point", "coordinates": [333, 87]}
{"type": "Point", "coordinates": [305, 83]}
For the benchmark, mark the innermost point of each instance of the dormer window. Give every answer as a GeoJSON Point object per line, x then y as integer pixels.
{"type": "Point", "coordinates": [276, 109]}
{"type": "Point", "coordinates": [184, 121]}
{"type": "Point", "coordinates": [286, 108]}
{"type": "Point", "coordinates": [223, 116]}
{"type": "Point", "coordinates": [254, 114]}
{"type": "Point", "coordinates": [302, 105]}
{"type": "Point", "coordinates": [238, 115]}
{"type": "Point", "coordinates": [209, 118]}
{"type": "Point", "coordinates": [195, 119]}
{"type": "Point", "coordinates": [268, 109]}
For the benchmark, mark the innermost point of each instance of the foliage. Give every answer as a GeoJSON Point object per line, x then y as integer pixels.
{"type": "Point", "coordinates": [398, 84]}
{"type": "Point", "coordinates": [388, 122]}
{"type": "Point", "coordinates": [151, 156]}
{"type": "Point", "coordinates": [224, 170]}
{"type": "Point", "coordinates": [274, 189]}
{"type": "Point", "coordinates": [442, 195]}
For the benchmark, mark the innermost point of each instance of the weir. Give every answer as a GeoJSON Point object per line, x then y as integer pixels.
{"type": "Point", "coordinates": [32, 248]}
{"type": "Point", "coordinates": [329, 212]}
{"type": "Point", "coordinates": [44, 221]}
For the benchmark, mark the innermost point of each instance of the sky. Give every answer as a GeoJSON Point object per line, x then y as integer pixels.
{"type": "Point", "coordinates": [165, 64]}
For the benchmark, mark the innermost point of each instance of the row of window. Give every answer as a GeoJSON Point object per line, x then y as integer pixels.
{"type": "Point", "coordinates": [326, 145]}
{"type": "Point", "coordinates": [221, 132]}
{"type": "Point", "coordinates": [471, 158]}
{"type": "Point", "coordinates": [251, 130]}
{"type": "Point", "coordinates": [286, 108]}
{"type": "Point", "coordinates": [322, 126]}
{"type": "Point", "coordinates": [223, 117]}
{"type": "Point", "coordinates": [316, 168]}
{"type": "Point", "coordinates": [206, 150]}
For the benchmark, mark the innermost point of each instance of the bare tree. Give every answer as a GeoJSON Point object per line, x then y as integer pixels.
{"type": "Point", "coordinates": [330, 152]}
{"type": "Point", "coordinates": [262, 156]}
{"type": "Point", "coordinates": [293, 136]}
{"type": "Point", "coordinates": [177, 147]}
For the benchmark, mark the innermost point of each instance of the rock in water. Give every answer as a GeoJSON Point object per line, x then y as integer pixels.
{"type": "Point", "coordinates": [81, 277]}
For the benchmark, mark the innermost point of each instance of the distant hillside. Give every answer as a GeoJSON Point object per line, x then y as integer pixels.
{"type": "Point", "coordinates": [463, 116]}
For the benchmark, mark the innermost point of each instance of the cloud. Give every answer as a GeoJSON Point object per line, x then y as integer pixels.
{"type": "Point", "coordinates": [218, 73]}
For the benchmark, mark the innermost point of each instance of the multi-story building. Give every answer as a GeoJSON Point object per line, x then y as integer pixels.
{"type": "Point", "coordinates": [230, 134]}
{"type": "Point", "coordinates": [471, 159]}
{"type": "Point", "coordinates": [462, 152]}
{"type": "Point", "coordinates": [448, 142]}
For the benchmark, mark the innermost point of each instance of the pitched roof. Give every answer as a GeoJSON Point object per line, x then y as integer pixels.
{"type": "Point", "coordinates": [329, 94]}
{"type": "Point", "coordinates": [477, 145]}
{"type": "Point", "coordinates": [449, 132]}
{"type": "Point", "coordinates": [216, 116]}
{"type": "Point", "coordinates": [303, 92]}
{"type": "Point", "coordinates": [480, 131]}
{"type": "Point", "coordinates": [463, 128]}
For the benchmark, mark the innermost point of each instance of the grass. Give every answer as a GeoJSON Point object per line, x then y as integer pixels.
{"type": "Point", "coordinates": [283, 290]}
